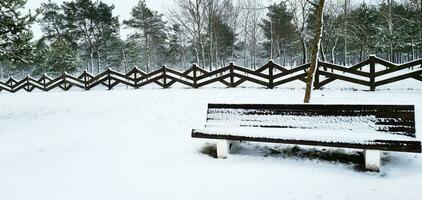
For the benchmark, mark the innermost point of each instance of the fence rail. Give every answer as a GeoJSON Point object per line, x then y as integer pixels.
{"type": "Point", "coordinates": [269, 75]}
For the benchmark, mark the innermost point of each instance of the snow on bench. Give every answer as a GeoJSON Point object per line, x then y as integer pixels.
{"type": "Point", "coordinates": [373, 128]}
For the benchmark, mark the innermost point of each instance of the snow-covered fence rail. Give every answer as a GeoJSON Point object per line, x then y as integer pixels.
{"type": "Point", "coordinates": [269, 76]}
{"type": "Point", "coordinates": [372, 72]}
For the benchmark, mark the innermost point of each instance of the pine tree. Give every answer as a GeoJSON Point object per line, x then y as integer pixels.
{"type": "Point", "coordinates": [364, 28]}
{"type": "Point", "coordinates": [59, 57]}
{"type": "Point", "coordinates": [15, 33]}
{"type": "Point", "coordinates": [90, 24]}
{"type": "Point", "coordinates": [175, 51]}
{"type": "Point", "coordinates": [224, 40]}
{"type": "Point", "coordinates": [53, 23]}
{"type": "Point", "coordinates": [149, 32]}
{"type": "Point", "coordinates": [279, 28]}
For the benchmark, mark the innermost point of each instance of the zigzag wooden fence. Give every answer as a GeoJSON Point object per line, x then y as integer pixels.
{"type": "Point", "coordinates": [372, 72]}
{"type": "Point", "coordinates": [269, 75]}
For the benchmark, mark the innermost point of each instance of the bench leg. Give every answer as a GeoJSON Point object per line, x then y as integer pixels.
{"type": "Point", "coordinates": [223, 148]}
{"type": "Point", "coordinates": [372, 160]}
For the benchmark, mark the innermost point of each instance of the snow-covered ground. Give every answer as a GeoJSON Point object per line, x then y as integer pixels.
{"type": "Point", "coordinates": [136, 144]}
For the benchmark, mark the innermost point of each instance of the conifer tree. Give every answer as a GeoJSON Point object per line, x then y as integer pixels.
{"type": "Point", "coordinates": [149, 33]}
{"type": "Point", "coordinates": [15, 32]}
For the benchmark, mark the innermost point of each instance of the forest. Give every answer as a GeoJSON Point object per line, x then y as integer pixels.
{"type": "Point", "coordinates": [84, 35]}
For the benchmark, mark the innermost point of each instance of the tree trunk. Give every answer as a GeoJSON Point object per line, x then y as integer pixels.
{"type": "Point", "coordinates": [203, 52]}
{"type": "Point", "coordinates": [413, 50]}
{"type": "Point", "coordinates": [345, 52]}
{"type": "Point", "coordinates": [304, 51]}
{"type": "Point", "coordinates": [198, 61]}
{"type": "Point", "coordinates": [345, 33]}
{"type": "Point", "coordinates": [245, 40]}
{"type": "Point", "coordinates": [184, 56]}
{"type": "Point", "coordinates": [322, 53]}
{"type": "Point", "coordinates": [315, 49]}
{"type": "Point", "coordinates": [279, 52]}
{"type": "Point", "coordinates": [98, 62]}
{"type": "Point", "coordinates": [91, 57]}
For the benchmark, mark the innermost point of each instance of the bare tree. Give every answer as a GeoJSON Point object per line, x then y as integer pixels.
{"type": "Point", "coordinates": [190, 16]}
{"type": "Point", "coordinates": [387, 14]}
{"type": "Point", "coordinates": [319, 7]}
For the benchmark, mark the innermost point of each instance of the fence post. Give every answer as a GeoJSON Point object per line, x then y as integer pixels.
{"type": "Point", "coordinates": [164, 77]}
{"type": "Point", "coordinates": [109, 78]}
{"type": "Point", "coordinates": [372, 72]}
{"type": "Point", "coordinates": [85, 75]}
{"type": "Point", "coordinates": [316, 81]}
{"type": "Point", "coordinates": [271, 75]}
{"type": "Point", "coordinates": [231, 75]}
{"type": "Point", "coordinates": [64, 81]}
{"type": "Point", "coordinates": [195, 76]}
{"type": "Point", "coordinates": [44, 76]}
{"type": "Point", "coordinates": [27, 83]}
{"type": "Point", "coordinates": [135, 77]}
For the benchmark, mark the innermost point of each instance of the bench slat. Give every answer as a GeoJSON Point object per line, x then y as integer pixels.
{"type": "Point", "coordinates": [403, 145]}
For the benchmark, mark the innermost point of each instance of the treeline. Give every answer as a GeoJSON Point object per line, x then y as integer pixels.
{"type": "Point", "coordinates": [85, 35]}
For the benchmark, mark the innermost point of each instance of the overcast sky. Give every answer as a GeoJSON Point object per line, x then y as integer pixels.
{"type": "Point", "coordinates": [122, 9]}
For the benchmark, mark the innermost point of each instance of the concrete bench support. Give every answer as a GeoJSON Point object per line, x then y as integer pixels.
{"type": "Point", "coordinates": [223, 148]}
{"type": "Point", "coordinates": [372, 160]}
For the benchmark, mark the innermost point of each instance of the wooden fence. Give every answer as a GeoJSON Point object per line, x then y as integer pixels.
{"type": "Point", "coordinates": [269, 76]}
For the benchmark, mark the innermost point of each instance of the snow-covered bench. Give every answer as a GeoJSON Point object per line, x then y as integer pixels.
{"type": "Point", "coordinates": [373, 128]}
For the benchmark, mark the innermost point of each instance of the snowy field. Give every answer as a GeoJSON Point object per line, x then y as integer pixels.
{"type": "Point", "coordinates": [136, 144]}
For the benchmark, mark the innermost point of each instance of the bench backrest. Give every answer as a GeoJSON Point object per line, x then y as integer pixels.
{"type": "Point", "coordinates": [393, 119]}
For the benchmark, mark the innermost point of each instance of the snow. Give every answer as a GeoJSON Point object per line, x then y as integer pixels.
{"type": "Point", "coordinates": [237, 117]}
{"type": "Point", "coordinates": [136, 144]}
{"type": "Point", "coordinates": [344, 136]}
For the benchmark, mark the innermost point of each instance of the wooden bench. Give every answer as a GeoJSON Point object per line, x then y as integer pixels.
{"type": "Point", "coordinates": [373, 128]}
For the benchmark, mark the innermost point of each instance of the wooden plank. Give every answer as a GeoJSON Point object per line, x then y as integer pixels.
{"type": "Point", "coordinates": [265, 67]}
{"type": "Point", "coordinates": [96, 82]}
{"type": "Point", "coordinates": [213, 73]}
{"type": "Point", "coordinates": [4, 86]}
{"type": "Point", "coordinates": [260, 82]}
{"type": "Point", "coordinates": [360, 65]}
{"type": "Point", "coordinates": [399, 78]}
{"type": "Point", "coordinates": [315, 107]}
{"type": "Point", "coordinates": [179, 74]}
{"type": "Point", "coordinates": [178, 80]}
{"type": "Point", "coordinates": [398, 68]}
{"type": "Point", "coordinates": [291, 71]}
{"type": "Point", "coordinates": [372, 85]}
{"type": "Point", "coordinates": [354, 67]}
{"type": "Point", "coordinates": [385, 63]}
{"type": "Point", "coordinates": [213, 80]}
{"type": "Point", "coordinates": [345, 78]}
{"type": "Point", "coordinates": [290, 79]}
{"type": "Point", "coordinates": [248, 71]}
{"type": "Point", "coordinates": [399, 146]}
{"type": "Point", "coordinates": [152, 80]}
{"type": "Point", "coordinates": [280, 68]}
{"type": "Point", "coordinates": [344, 69]}
{"type": "Point", "coordinates": [123, 80]}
